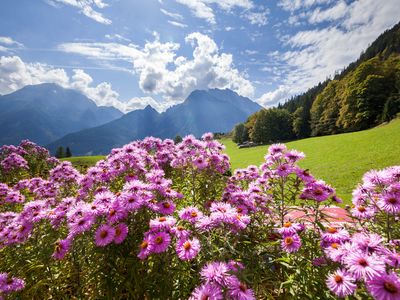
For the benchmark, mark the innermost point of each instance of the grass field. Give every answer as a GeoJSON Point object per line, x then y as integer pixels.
{"type": "Point", "coordinates": [340, 160]}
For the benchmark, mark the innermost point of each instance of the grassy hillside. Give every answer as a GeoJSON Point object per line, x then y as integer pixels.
{"type": "Point", "coordinates": [340, 160]}
{"type": "Point", "coordinates": [84, 161]}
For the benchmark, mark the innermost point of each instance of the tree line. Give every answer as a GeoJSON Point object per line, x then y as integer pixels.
{"type": "Point", "coordinates": [363, 95]}
{"type": "Point", "coordinates": [61, 153]}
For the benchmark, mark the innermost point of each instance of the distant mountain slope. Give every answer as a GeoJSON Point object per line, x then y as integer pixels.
{"type": "Point", "coordinates": [212, 110]}
{"type": "Point", "coordinates": [46, 112]}
{"type": "Point", "coordinates": [101, 139]}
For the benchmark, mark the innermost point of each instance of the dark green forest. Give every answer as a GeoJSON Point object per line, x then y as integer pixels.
{"type": "Point", "coordinates": [363, 95]}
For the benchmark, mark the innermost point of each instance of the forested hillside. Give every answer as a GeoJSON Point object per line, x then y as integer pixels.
{"type": "Point", "coordinates": [363, 95]}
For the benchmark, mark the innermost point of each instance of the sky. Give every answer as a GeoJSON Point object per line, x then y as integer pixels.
{"type": "Point", "coordinates": [131, 53]}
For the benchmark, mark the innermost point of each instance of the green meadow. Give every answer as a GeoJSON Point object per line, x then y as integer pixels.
{"type": "Point", "coordinates": [340, 159]}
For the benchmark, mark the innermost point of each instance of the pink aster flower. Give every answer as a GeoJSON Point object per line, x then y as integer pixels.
{"type": "Point", "coordinates": [291, 243]}
{"type": "Point", "coordinates": [187, 249]}
{"type": "Point", "coordinates": [162, 223]}
{"type": "Point", "coordinates": [290, 228]}
{"type": "Point", "coordinates": [207, 291]}
{"type": "Point", "coordinates": [61, 248]}
{"type": "Point", "coordinates": [390, 203]}
{"type": "Point", "coordinates": [200, 162]}
{"type": "Point", "coordinates": [166, 207]}
{"type": "Point", "coordinates": [130, 201]}
{"type": "Point", "coordinates": [363, 212]}
{"type": "Point", "coordinates": [9, 284]}
{"type": "Point", "coordinates": [335, 235]}
{"type": "Point", "coordinates": [238, 290]}
{"type": "Point", "coordinates": [145, 248]}
{"type": "Point", "coordinates": [341, 283]}
{"type": "Point", "coordinates": [159, 242]}
{"type": "Point", "coordinates": [81, 224]}
{"type": "Point", "coordinates": [385, 286]}
{"type": "Point", "coordinates": [121, 232]}
{"type": "Point", "coordinates": [216, 272]}
{"type": "Point", "coordinates": [362, 265]}
{"type": "Point", "coordinates": [104, 235]}
{"type": "Point", "coordinates": [191, 214]}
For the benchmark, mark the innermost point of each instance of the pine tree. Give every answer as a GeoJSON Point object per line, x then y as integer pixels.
{"type": "Point", "coordinates": [68, 152]}
{"type": "Point", "coordinates": [60, 152]}
{"type": "Point", "coordinates": [178, 139]}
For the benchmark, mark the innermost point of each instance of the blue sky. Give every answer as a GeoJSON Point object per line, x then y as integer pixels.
{"type": "Point", "coordinates": [130, 53]}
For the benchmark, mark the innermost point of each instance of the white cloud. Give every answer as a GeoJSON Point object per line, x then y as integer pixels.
{"type": "Point", "coordinates": [101, 51]}
{"type": "Point", "coordinates": [117, 37]}
{"type": "Point", "coordinates": [175, 16]}
{"type": "Point", "coordinates": [335, 12]}
{"type": "Point", "coordinates": [316, 54]}
{"type": "Point", "coordinates": [5, 40]}
{"type": "Point", "coordinates": [202, 8]}
{"type": "Point", "coordinates": [160, 72]}
{"type": "Point", "coordinates": [257, 18]}
{"type": "Point", "coordinates": [177, 24]}
{"type": "Point", "coordinates": [274, 97]}
{"type": "Point", "coordinates": [86, 7]}
{"type": "Point", "coordinates": [293, 5]}
{"type": "Point", "coordinates": [16, 74]}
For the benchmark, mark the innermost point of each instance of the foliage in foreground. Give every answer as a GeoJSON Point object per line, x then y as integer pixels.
{"type": "Point", "coordinates": [162, 220]}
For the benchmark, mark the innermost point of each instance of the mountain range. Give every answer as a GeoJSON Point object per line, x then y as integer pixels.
{"type": "Point", "coordinates": [53, 116]}
{"type": "Point", "coordinates": [46, 112]}
{"type": "Point", "coordinates": [203, 111]}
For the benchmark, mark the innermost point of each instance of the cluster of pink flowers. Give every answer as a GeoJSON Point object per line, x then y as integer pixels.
{"type": "Point", "coordinates": [366, 257]}
{"type": "Point", "coordinates": [379, 193]}
{"type": "Point", "coordinates": [155, 181]}
{"type": "Point", "coordinates": [10, 284]}
{"type": "Point", "coordinates": [23, 157]}
{"type": "Point", "coordinates": [220, 281]}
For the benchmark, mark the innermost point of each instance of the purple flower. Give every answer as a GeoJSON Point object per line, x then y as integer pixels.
{"type": "Point", "coordinates": [238, 290]}
{"type": "Point", "coordinates": [289, 228]}
{"type": "Point", "coordinates": [363, 212]}
{"type": "Point", "coordinates": [145, 248]}
{"type": "Point", "coordinates": [390, 203]}
{"type": "Point", "coordinates": [385, 286]}
{"type": "Point", "coordinates": [61, 248]}
{"type": "Point", "coordinates": [188, 249]}
{"type": "Point", "coordinates": [121, 232]}
{"type": "Point", "coordinates": [166, 207]}
{"type": "Point", "coordinates": [104, 235]}
{"type": "Point", "coordinates": [216, 272]}
{"type": "Point", "coordinates": [341, 283]}
{"type": "Point", "coordinates": [159, 242]}
{"type": "Point", "coordinates": [81, 224]}
{"type": "Point", "coordinates": [291, 243]}
{"type": "Point", "coordinates": [362, 265]}
{"type": "Point", "coordinates": [191, 214]}
{"type": "Point", "coordinates": [9, 284]}
{"type": "Point", "coordinates": [162, 223]}
{"type": "Point", "coordinates": [207, 291]}
{"type": "Point", "coordinates": [335, 235]}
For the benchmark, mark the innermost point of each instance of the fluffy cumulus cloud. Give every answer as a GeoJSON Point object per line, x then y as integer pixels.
{"type": "Point", "coordinates": [162, 72]}
{"type": "Point", "coordinates": [17, 74]}
{"type": "Point", "coordinates": [87, 8]}
{"type": "Point", "coordinates": [315, 54]}
{"type": "Point", "coordinates": [274, 97]}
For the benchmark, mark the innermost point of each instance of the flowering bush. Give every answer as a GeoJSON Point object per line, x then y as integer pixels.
{"type": "Point", "coordinates": [162, 220]}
